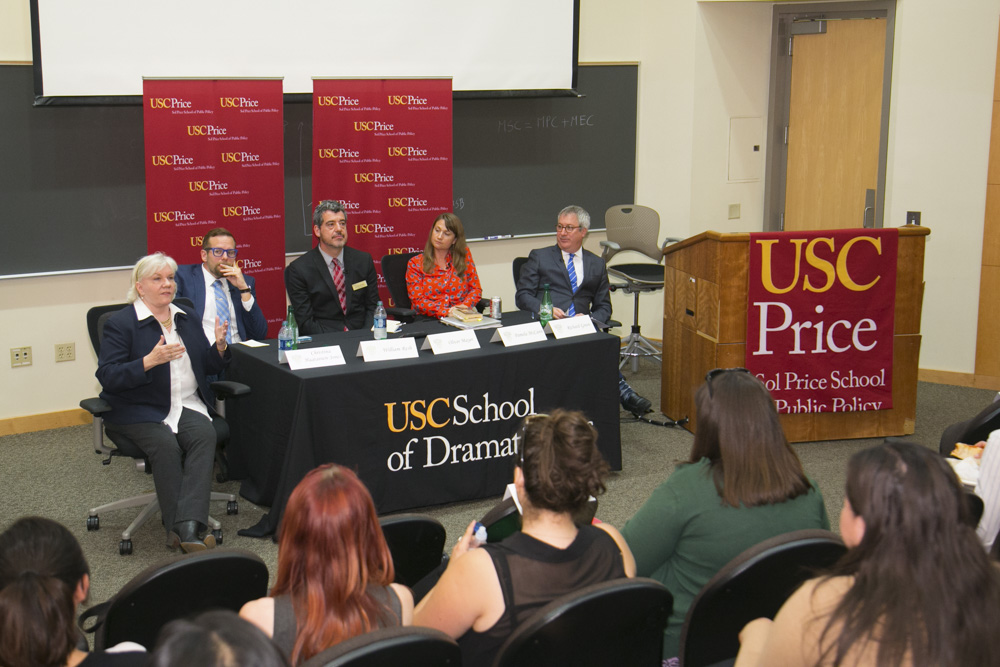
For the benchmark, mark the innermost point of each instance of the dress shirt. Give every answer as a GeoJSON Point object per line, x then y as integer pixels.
{"type": "Point", "coordinates": [208, 317]}
{"type": "Point", "coordinates": [577, 263]}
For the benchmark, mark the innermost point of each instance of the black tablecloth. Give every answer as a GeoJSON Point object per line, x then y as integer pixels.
{"type": "Point", "coordinates": [418, 432]}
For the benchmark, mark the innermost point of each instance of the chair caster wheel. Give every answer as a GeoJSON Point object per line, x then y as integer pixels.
{"type": "Point", "coordinates": [93, 522]}
{"type": "Point", "coordinates": [233, 507]}
{"type": "Point", "coordinates": [217, 534]}
{"type": "Point", "coordinates": [125, 547]}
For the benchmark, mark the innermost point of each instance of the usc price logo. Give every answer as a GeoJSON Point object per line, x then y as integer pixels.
{"type": "Point", "coordinates": [401, 251]}
{"type": "Point", "coordinates": [207, 186]}
{"type": "Point", "coordinates": [168, 103]}
{"type": "Point", "coordinates": [240, 157]}
{"type": "Point", "coordinates": [405, 202]}
{"type": "Point", "coordinates": [373, 228]}
{"type": "Point", "coordinates": [239, 211]}
{"type": "Point", "coordinates": [205, 131]}
{"type": "Point", "coordinates": [238, 102]}
{"type": "Point", "coordinates": [372, 126]}
{"type": "Point", "coordinates": [406, 151]}
{"type": "Point", "coordinates": [373, 178]}
{"type": "Point", "coordinates": [337, 153]}
{"type": "Point", "coordinates": [834, 270]}
{"type": "Point", "coordinates": [408, 100]}
{"type": "Point", "coordinates": [172, 216]}
{"type": "Point", "coordinates": [171, 160]}
{"type": "Point", "coordinates": [337, 101]}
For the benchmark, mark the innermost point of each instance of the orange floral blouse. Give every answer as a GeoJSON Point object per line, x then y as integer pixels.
{"type": "Point", "coordinates": [435, 293]}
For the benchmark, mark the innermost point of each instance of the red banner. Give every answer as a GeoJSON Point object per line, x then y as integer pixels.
{"type": "Point", "coordinates": [382, 147]}
{"type": "Point", "coordinates": [820, 318]}
{"type": "Point", "coordinates": [214, 158]}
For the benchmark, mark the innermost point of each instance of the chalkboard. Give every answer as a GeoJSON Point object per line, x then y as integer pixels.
{"type": "Point", "coordinates": [72, 179]}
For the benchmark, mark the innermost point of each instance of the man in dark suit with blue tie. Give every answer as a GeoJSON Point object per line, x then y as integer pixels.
{"type": "Point", "coordinates": [578, 285]}
{"type": "Point", "coordinates": [332, 287]}
{"type": "Point", "coordinates": [218, 284]}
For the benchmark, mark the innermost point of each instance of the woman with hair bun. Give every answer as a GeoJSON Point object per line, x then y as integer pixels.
{"type": "Point", "coordinates": [335, 572]}
{"type": "Point", "coordinates": [914, 588]}
{"type": "Point", "coordinates": [43, 579]}
{"type": "Point", "coordinates": [485, 592]}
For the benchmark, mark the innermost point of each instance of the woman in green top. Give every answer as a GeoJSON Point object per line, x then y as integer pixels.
{"type": "Point", "coordinates": [742, 484]}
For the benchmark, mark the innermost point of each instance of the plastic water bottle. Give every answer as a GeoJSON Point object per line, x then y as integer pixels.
{"type": "Point", "coordinates": [545, 309]}
{"type": "Point", "coordinates": [284, 341]}
{"type": "Point", "coordinates": [293, 329]}
{"type": "Point", "coordinates": [380, 332]}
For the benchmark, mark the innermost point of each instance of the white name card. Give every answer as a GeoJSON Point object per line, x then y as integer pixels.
{"type": "Point", "coordinates": [315, 357]}
{"type": "Point", "coordinates": [572, 326]}
{"type": "Point", "coordinates": [387, 349]}
{"type": "Point", "coordinates": [519, 334]}
{"type": "Point", "coordinates": [453, 341]}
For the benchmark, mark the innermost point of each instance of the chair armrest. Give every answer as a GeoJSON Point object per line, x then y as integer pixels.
{"type": "Point", "coordinates": [482, 305]}
{"type": "Point", "coordinates": [226, 389]}
{"type": "Point", "coordinates": [670, 239]}
{"type": "Point", "coordinates": [96, 406]}
{"type": "Point", "coordinates": [609, 250]}
{"type": "Point", "coordinates": [401, 314]}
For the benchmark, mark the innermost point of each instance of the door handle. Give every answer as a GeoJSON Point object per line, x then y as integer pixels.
{"type": "Point", "coordinates": [866, 221]}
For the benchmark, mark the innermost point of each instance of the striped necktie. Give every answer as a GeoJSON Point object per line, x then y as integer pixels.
{"type": "Point", "coordinates": [338, 281]}
{"type": "Point", "coordinates": [571, 267]}
{"type": "Point", "coordinates": [222, 308]}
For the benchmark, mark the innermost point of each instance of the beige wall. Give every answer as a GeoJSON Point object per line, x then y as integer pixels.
{"type": "Point", "coordinates": [700, 65]}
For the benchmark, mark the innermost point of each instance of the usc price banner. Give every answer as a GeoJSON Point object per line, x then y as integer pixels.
{"type": "Point", "coordinates": [820, 318]}
{"type": "Point", "coordinates": [383, 148]}
{"type": "Point", "coordinates": [214, 158]}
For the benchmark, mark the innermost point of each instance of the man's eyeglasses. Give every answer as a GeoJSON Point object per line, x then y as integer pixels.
{"type": "Point", "coordinates": [219, 252]}
{"type": "Point", "coordinates": [567, 228]}
{"type": "Point", "coordinates": [719, 371]}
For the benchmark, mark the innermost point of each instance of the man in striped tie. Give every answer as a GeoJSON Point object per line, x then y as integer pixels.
{"type": "Point", "coordinates": [578, 285]}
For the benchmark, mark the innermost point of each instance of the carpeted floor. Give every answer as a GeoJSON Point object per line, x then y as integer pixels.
{"type": "Point", "coordinates": [56, 474]}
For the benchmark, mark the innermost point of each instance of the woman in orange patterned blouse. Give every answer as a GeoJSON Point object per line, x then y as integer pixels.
{"type": "Point", "coordinates": [443, 280]}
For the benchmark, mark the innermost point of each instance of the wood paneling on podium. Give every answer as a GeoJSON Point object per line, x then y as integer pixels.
{"type": "Point", "coordinates": [705, 327]}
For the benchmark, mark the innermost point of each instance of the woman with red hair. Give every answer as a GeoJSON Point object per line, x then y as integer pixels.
{"type": "Point", "coordinates": [335, 573]}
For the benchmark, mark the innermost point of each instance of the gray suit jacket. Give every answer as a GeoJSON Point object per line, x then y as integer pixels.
{"type": "Point", "coordinates": [545, 265]}
{"type": "Point", "coordinates": [314, 297]}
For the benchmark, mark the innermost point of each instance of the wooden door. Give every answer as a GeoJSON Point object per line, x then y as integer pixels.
{"type": "Point", "coordinates": [834, 125]}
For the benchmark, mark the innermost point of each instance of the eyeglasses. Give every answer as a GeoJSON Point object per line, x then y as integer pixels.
{"type": "Point", "coordinates": [567, 228]}
{"type": "Point", "coordinates": [524, 429]}
{"type": "Point", "coordinates": [719, 371]}
{"type": "Point", "coordinates": [219, 252]}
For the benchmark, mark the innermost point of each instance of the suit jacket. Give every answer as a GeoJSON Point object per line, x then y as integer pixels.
{"type": "Point", "coordinates": [314, 297]}
{"type": "Point", "coordinates": [545, 265]}
{"type": "Point", "coordinates": [251, 325]}
{"type": "Point", "coordinates": [137, 395]}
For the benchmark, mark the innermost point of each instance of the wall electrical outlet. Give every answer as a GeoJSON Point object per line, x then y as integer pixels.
{"type": "Point", "coordinates": [65, 351]}
{"type": "Point", "coordinates": [20, 356]}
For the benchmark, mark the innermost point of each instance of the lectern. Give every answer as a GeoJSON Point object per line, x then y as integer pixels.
{"type": "Point", "coordinates": [705, 327]}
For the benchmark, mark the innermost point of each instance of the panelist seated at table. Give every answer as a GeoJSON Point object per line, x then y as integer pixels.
{"type": "Point", "coordinates": [335, 572]}
{"type": "Point", "coordinates": [914, 588]}
{"type": "Point", "coordinates": [333, 287]}
{"type": "Point", "coordinates": [578, 285]}
{"type": "Point", "coordinates": [559, 469]}
{"type": "Point", "coordinates": [153, 364]}
{"type": "Point", "coordinates": [443, 280]}
{"type": "Point", "coordinates": [218, 286]}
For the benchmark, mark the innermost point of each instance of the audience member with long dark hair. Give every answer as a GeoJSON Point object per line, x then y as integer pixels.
{"type": "Point", "coordinates": [335, 572]}
{"type": "Point", "coordinates": [43, 579]}
{"type": "Point", "coordinates": [742, 484]}
{"type": "Point", "coordinates": [914, 588]}
{"type": "Point", "coordinates": [485, 592]}
{"type": "Point", "coordinates": [216, 638]}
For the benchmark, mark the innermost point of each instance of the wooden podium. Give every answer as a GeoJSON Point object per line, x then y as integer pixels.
{"type": "Point", "coordinates": [705, 327]}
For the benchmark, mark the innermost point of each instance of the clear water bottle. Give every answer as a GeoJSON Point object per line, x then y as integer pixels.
{"type": "Point", "coordinates": [293, 329]}
{"type": "Point", "coordinates": [380, 332]}
{"type": "Point", "coordinates": [545, 309]}
{"type": "Point", "coordinates": [285, 341]}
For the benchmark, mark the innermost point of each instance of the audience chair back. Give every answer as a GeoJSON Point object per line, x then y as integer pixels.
{"type": "Point", "coordinates": [416, 542]}
{"type": "Point", "coordinates": [179, 587]}
{"type": "Point", "coordinates": [616, 622]}
{"type": "Point", "coordinates": [976, 508]}
{"type": "Point", "coordinates": [412, 646]}
{"type": "Point", "coordinates": [971, 430]}
{"type": "Point", "coordinates": [754, 584]}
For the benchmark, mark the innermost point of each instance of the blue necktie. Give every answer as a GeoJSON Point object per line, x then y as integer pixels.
{"type": "Point", "coordinates": [571, 266]}
{"type": "Point", "coordinates": [222, 307]}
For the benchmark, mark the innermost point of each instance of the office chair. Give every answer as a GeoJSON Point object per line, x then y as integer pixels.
{"type": "Point", "coordinates": [617, 622]}
{"type": "Point", "coordinates": [520, 261]}
{"type": "Point", "coordinates": [971, 430]}
{"type": "Point", "coordinates": [634, 227]}
{"type": "Point", "coordinates": [176, 588]}
{"type": "Point", "coordinates": [416, 542]}
{"type": "Point", "coordinates": [122, 446]}
{"type": "Point", "coordinates": [411, 645]}
{"type": "Point", "coordinates": [754, 584]}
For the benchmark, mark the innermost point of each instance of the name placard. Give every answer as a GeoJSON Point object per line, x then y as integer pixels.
{"type": "Point", "coordinates": [519, 334]}
{"type": "Point", "coordinates": [572, 326]}
{"type": "Point", "coordinates": [387, 350]}
{"type": "Point", "coordinates": [315, 357]}
{"type": "Point", "coordinates": [453, 341]}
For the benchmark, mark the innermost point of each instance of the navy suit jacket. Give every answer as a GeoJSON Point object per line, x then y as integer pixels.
{"type": "Point", "coordinates": [314, 297]}
{"type": "Point", "coordinates": [545, 265]}
{"type": "Point", "coordinates": [137, 395]}
{"type": "Point", "coordinates": [251, 325]}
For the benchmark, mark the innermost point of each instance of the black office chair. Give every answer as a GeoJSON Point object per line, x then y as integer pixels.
{"type": "Point", "coordinates": [394, 272]}
{"type": "Point", "coordinates": [976, 507]}
{"type": "Point", "coordinates": [179, 587]}
{"type": "Point", "coordinates": [634, 227]}
{"type": "Point", "coordinates": [971, 430]}
{"type": "Point", "coordinates": [753, 585]}
{"type": "Point", "coordinates": [616, 622]}
{"type": "Point", "coordinates": [413, 646]}
{"type": "Point", "coordinates": [123, 446]}
{"type": "Point", "coordinates": [416, 542]}
{"type": "Point", "coordinates": [520, 261]}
